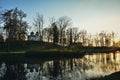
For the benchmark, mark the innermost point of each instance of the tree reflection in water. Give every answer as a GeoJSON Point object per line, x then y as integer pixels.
{"type": "Point", "coordinates": [90, 66]}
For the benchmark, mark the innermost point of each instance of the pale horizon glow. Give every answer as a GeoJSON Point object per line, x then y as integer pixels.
{"type": "Point", "coordinates": [91, 15]}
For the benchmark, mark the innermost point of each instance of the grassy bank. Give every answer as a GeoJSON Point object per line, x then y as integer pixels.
{"type": "Point", "coordinates": [23, 47]}
{"type": "Point", "coordinates": [27, 45]}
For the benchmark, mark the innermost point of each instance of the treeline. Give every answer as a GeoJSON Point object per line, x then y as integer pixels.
{"type": "Point", "coordinates": [59, 31]}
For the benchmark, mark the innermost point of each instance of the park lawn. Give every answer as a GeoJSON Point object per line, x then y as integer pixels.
{"type": "Point", "coordinates": [60, 49]}
{"type": "Point", "coordinates": [23, 51]}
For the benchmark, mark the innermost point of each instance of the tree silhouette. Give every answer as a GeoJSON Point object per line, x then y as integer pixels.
{"type": "Point", "coordinates": [71, 36]}
{"type": "Point", "coordinates": [39, 24]}
{"type": "Point", "coordinates": [48, 33]}
{"type": "Point", "coordinates": [1, 38]}
{"type": "Point", "coordinates": [63, 23]}
{"type": "Point", "coordinates": [14, 24]}
{"type": "Point", "coordinates": [75, 34]}
{"type": "Point", "coordinates": [55, 33]}
{"type": "Point", "coordinates": [83, 35]}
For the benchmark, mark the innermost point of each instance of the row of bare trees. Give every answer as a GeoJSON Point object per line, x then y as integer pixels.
{"type": "Point", "coordinates": [73, 35]}
{"type": "Point", "coordinates": [56, 31]}
{"type": "Point", "coordinates": [59, 31]}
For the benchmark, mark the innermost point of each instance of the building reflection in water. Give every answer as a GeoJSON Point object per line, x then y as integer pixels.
{"type": "Point", "coordinates": [90, 66]}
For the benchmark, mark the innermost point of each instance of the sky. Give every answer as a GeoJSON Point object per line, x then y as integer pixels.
{"type": "Point", "coordinates": [91, 15]}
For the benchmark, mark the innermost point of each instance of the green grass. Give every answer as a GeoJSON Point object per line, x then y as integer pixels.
{"type": "Point", "coordinates": [52, 50]}
{"type": "Point", "coordinates": [23, 47]}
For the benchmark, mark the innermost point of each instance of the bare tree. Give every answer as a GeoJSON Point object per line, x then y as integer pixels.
{"type": "Point", "coordinates": [89, 40]}
{"type": "Point", "coordinates": [83, 34]}
{"type": "Point", "coordinates": [52, 20]}
{"type": "Point", "coordinates": [96, 39]}
{"type": "Point", "coordinates": [48, 31]}
{"type": "Point", "coordinates": [102, 38]}
{"type": "Point", "coordinates": [69, 36]}
{"type": "Point", "coordinates": [48, 34]}
{"type": "Point", "coordinates": [113, 38]}
{"type": "Point", "coordinates": [63, 23]}
{"type": "Point", "coordinates": [75, 34]}
{"type": "Point", "coordinates": [39, 24]}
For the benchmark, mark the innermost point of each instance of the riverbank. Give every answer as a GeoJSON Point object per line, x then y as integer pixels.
{"type": "Point", "coordinates": [43, 55]}
{"type": "Point", "coordinates": [48, 51]}
{"type": "Point", "coordinates": [25, 46]}
{"type": "Point", "coordinates": [64, 49]}
{"type": "Point", "coordinates": [60, 53]}
{"type": "Point", "coordinates": [113, 76]}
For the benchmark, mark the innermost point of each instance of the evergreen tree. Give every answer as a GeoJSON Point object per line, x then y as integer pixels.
{"type": "Point", "coordinates": [55, 33]}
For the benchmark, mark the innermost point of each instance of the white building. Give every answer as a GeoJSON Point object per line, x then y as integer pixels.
{"type": "Point", "coordinates": [33, 37]}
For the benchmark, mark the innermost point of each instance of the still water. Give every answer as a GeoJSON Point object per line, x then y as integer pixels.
{"type": "Point", "coordinates": [90, 66]}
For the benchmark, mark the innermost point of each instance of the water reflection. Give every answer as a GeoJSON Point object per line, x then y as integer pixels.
{"type": "Point", "coordinates": [90, 66]}
{"type": "Point", "coordinates": [102, 64]}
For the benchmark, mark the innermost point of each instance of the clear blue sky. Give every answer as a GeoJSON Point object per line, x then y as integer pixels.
{"type": "Point", "coordinates": [92, 15]}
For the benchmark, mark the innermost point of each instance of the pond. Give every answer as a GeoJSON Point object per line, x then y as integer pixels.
{"type": "Point", "coordinates": [89, 66]}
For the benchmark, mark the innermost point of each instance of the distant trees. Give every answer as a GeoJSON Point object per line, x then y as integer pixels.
{"type": "Point", "coordinates": [96, 40]}
{"type": "Point", "coordinates": [83, 35]}
{"type": "Point", "coordinates": [14, 24]}
{"type": "Point", "coordinates": [72, 35]}
{"type": "Point", "coordinates": [106, 39]}
{"type": "Point", "coordinates": [39, 24]}
{"type": "Point", "coordinates": [49, 31]}
{"type": "Point", "coordinates": [48, 34]}
{"type": "Point", "coordinates": [75, 34]}
{"type": "Point", "coordinates": [63, 23]}
{"type": "Point", "coordinates": [58, 31]}
{"type": "Point", "coordinates": [65, 35]}
{"type": "Point", "coordinates": [102, 38]}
